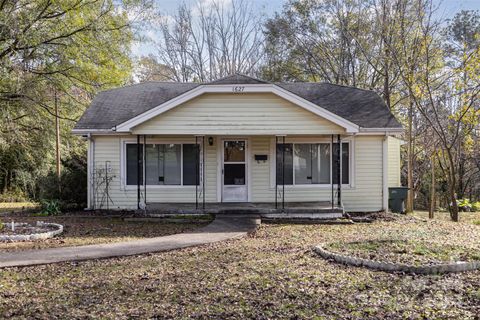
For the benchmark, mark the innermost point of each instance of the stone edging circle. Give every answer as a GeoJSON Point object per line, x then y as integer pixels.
{"type": "Point", "coordinates": [459, 266]}
{"type": "Point", "coordinates": [32, 236]}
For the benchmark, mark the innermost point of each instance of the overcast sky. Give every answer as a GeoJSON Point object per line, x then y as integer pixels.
{"type": "Point", "coordinates": [447, 9]}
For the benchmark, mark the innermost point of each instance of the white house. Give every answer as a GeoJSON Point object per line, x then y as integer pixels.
{"type": "Point", "coordinates": [241, 140]}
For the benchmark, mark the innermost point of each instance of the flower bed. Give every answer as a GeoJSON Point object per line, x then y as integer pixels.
{"type": "Point", "coordinates": [28, 232]}
{"type": "Point", "coordinates": [403, 256]}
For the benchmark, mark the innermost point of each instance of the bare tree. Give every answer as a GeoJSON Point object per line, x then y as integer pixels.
{"type": "Point", "coordinates": [208, 42]}
{"type": "Point", "coordinates": [436, 91]}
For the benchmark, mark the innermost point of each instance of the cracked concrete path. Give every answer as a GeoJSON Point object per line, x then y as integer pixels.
{"type": "Point", "coordinates": [222, 228]}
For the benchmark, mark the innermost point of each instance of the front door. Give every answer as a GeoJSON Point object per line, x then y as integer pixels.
{"type": "Point", "coordinates": [234, 171]}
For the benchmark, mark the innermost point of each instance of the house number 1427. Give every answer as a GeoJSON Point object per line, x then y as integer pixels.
{"type": "Point", "coordinates": [238, 89]}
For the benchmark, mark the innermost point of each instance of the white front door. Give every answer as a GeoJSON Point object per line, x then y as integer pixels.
{"type": "Point", "coordinates": [234, 171]}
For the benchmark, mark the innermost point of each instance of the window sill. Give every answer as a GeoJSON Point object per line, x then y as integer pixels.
{"type": "Point", "coordinates": [130, 187]}
{"type": "Point", "coordinates": [314, 186]}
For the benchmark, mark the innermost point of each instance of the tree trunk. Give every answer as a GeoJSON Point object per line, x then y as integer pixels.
{"type": "Point", "coordinates": [452, 188]}
{"type": "Point", "coordinates": [57, 144]}
{"type": "Point", "coordinates": [432, 191]}
{"type": "Point", "coordinates": [410, 160]}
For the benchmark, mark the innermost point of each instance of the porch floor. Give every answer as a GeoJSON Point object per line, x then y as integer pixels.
{"type": "Point", "coordinates": [267, 209]}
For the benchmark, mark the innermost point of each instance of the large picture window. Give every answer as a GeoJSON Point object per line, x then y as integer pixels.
{"type": "Point", "coordinates": [165, 164]}
{"type": "Point", "coordinates": [311, 163]}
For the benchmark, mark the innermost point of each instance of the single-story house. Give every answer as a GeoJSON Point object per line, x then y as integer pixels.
{"type": "Point", "coordinates": [240, 140]}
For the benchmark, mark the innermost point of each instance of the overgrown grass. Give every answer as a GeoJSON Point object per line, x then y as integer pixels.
{"type": "Point", "coordinates": [17, 206]}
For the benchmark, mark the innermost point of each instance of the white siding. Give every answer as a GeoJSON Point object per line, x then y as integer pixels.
{"type": "Point", "coordinates": [238, 114]}
{"type": "Point", "coordinates": [364, 195]}
{"type": "Point", "coordinates": [108, 148]}
{"type": "Point", "coordinates": [393, 162]}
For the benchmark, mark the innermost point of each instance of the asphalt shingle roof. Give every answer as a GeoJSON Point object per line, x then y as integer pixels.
{"type": "Point", "coordinates": [113, 107]}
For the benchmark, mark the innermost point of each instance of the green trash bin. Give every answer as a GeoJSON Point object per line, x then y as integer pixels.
{"type": "Point", "coordinates": [396, 199]}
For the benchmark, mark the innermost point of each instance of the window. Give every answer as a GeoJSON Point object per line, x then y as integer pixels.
{"type": "Point", "coordinates": [345, 163]}
{"type": "Point", "coordinates": [311, 163]}
{"type": "Point", "coordinates": [165, 164]}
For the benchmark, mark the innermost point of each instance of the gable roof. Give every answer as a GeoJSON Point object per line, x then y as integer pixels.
{"type": "Point", "coordinates": [111, 108]}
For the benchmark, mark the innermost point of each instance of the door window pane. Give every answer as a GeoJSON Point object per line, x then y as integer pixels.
{"type": "Point", "coordinates": [234, 174]}
{"type": "Point", "coordinates": [190, 169]}
{"type": "Point", "coordinates": [288, 168]}
{"type": "Point", "coordinates": [234, 151]}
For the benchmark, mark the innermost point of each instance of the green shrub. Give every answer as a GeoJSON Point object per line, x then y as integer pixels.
{"type": "Point", "coordinates": [73, 184]}
{"type": "Point", "coordinates": [476, 206]}
{"type": "Point", "coordinates": [464, 204]}
{"type": "Point", "coordinates": [15, 195]}
{"type": "Point", "coordinates": [50, 207]}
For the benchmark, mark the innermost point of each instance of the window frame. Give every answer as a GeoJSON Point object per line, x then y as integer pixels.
{"type": "Point", "coordinates": [351, 166]}
{"type": "Point", "coordinates": [123, 164]}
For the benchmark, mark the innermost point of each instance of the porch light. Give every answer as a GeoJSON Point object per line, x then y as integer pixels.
{"type": "Point", "coordinates": [210, 141]}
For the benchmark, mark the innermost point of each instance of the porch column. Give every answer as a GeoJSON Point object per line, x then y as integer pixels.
{"type": "Point", "coordinates": [203, 173]}
{"type": "Point", "coordinates": [276, 178]}
{"type": "Point", "coordinates": [283, 173]}
{"type": "Point", "coordinates": [331, 175]}
{"type": "Point", "coordinates": [339, 173]}
{"type": "Point", "coordinates": [138, 171]}
{"type": "Point", "coordinates": [200, 170]}
{"type": "Point", "coordinates": [144, 158]}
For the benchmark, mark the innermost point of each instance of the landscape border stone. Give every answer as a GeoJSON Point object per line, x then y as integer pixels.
{"type": "Point", "coordinates": [459, 266]}
{"type": "Point", "coordinates": [32, 236]}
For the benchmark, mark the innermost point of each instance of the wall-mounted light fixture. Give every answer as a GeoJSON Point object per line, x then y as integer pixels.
{"type": "Point", "coordinates": [210, 141]}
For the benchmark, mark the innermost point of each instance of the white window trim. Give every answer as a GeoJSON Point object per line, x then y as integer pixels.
{"type": "Point", "coordinates": [351, 165]}
{"type": "Point", "coordinates": [123, 162]}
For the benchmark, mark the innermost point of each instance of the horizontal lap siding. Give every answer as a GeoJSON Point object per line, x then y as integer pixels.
{"type": "Point", "coordinates": [366, 195]}
{"type": "Point", "coordinates": [108, 149]}
{"type": "Point", "coordinates": [393, 162]}
{"type": "Point", "coordinates": [238, 114]}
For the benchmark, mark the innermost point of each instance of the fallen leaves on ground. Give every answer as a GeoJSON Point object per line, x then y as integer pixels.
{"type": "Point", "coordinates": [94, 230]}
{"type": "Point", "coordinates": [271, 274]}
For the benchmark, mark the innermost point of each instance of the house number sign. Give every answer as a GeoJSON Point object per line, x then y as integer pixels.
{"type": "Point", "coordinates": [238, 89]}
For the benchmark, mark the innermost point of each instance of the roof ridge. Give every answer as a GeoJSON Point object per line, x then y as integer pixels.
{"type": "Point", "coordinates": [236, 74]}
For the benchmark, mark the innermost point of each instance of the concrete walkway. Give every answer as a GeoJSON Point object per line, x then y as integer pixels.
{"type": "Point", "coordinates": [222, 228]}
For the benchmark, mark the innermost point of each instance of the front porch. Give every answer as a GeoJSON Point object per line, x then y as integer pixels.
{"type": "Point", "coordinates": [266, 175]}
{"type": "Point", "coordinates": [317, 209]}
